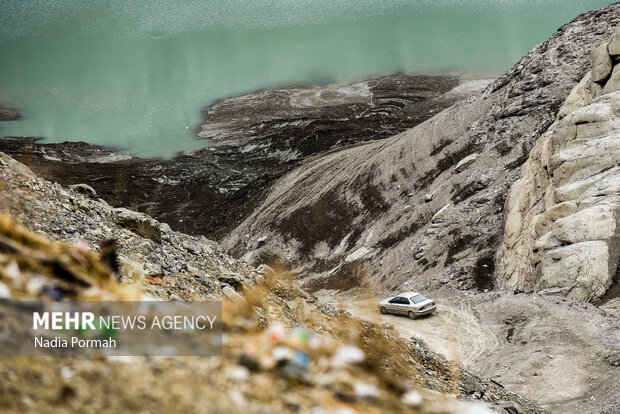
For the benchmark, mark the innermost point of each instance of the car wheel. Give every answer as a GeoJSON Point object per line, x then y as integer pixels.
{"type": "Point", "coordinates": [411, 315]}
{"type": "Point", "coordinates": [383, 310]}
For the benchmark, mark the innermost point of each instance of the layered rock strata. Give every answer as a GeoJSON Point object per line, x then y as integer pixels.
{"type": "Point", "coordinates": [562, 222]}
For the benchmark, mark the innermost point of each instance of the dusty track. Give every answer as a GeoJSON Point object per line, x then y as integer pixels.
{"type": "Point", "coordinates": [556, 352]}
{"type": "Point", "coordinates": [453, 331]}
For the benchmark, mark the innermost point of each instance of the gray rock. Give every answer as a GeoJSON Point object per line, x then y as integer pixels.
{"type": "Point", "coordinates": [614, 45]}
{"type": "Point", "coordinates": [601, 63]}
{"type": "Point", "coordinates": [562, 214]}
{"type": "Point", "coordinates": [85, 189]}
{"type": "Point", "coordinates": [511, 407]}
{"type": "Point", "coordinates": [582, 267]}
{"type": "Point", "coordinates": [142, 224]}
{"type": "Point", "coordinates": [231, 278]}
{"type": "Point", "coordinates": [613, 84]}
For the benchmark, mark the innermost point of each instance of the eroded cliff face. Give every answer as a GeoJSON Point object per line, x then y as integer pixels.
{"type": "Point", "coordinates": [424, 208]}
{"type": "Point", "coordinates": [562, 229]}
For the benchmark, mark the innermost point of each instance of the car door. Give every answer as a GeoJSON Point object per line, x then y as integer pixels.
{"type": "Point", "coordinates": [405, 306]}
{"type": "Point", "coordinates": [394, 305]}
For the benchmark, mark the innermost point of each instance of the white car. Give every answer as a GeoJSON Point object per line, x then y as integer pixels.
{"type": "Point", "coordinates": [411, 304]}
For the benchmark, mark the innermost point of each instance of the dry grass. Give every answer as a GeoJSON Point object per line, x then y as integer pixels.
{"type": "Point", "coordinates": [72, 269]}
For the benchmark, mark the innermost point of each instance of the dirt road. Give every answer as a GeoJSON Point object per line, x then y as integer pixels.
{"type": "Point", "coordinates": [557, 352]}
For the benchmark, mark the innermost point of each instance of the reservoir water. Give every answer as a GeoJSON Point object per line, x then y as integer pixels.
{"type": "Point", "coordinates": [134, 75]}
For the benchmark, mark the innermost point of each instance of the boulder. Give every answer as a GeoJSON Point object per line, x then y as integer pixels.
{"type": "Point", "coordinates": [580, 96]}
{"type": "Point", "coordinates": [234, 279]}
{"type": "Point", "coordinates": [85, 189]}
{"type": "Point", "coordinates": [614, 45]}
{"type": "Point", "coordinates": [232, 295]}
{"type": "Point", "coordinates": [131, 269]}
{"type": "Point", "coordinates": [511, 407]}
{"type": "Point", "coordinates": [582, 267]}
{"type": "Point", "coordinates": [594, 223]}
{"type": "Point", "coordinates": [613, 84]}
{"type": "Point", "coordinates": [139, 223]}
{"type": "Point", "coordinates": [601, 63]}
{"type": "Point", "coordinates": [266, 270]}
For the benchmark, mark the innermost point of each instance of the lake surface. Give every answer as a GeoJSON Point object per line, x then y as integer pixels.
{"type": "Point", "coordinates": [135, 74]}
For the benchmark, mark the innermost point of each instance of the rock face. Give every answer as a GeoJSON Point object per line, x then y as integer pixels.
{"type": "Point", "coordinates": [8, 114]}
{"type": "Point", "coordinates": [259, 137]}
{"type": "Point", "coordinates": [426, 223]}
{"type": "Point", "coordinates": [563, 218]}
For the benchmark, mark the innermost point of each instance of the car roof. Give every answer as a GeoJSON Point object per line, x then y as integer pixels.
{"type": "Point", "coordinates": [408, 294]}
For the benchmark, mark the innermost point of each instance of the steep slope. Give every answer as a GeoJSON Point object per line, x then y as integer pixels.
{"type": "Point", "coordinates": [425, 207]}
{"type": "Point", "coordinates": [563, 215]}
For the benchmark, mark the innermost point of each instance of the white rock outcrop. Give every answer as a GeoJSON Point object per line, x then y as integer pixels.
{"type": "Point", "coordinates": [562, 226]}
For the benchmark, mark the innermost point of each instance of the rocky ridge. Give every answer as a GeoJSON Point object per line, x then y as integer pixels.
{"type": "Point", "coordinates": [425, 208]}
{"type": "Point", "coordinates": [563, 215]}
{"type": "Point", "coordinates": [257, 138]}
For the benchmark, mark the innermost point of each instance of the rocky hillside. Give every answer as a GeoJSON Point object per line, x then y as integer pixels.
{"type": "Point", "coordinates": [284, 351]}
{"type": "Point", "coordinates": [258, 138]}
{"type": "Point", "coordinates": [563, 215]}
{"type": "Point", "coordinates": [427, 207]}
{"type": "Point", "coordinates": [170, 264]}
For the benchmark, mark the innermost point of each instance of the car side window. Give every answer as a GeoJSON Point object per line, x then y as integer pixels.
{"type": "Point", "coordinates": [396, 300]}
{"type": "Point", "coordinates": [404, 301]}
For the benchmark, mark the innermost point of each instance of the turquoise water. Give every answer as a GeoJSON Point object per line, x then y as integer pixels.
{"type": "Point", "coordinates": [135, 74]}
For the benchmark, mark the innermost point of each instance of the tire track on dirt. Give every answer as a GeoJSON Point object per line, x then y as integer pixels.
{"type": "Point", "coordinates": [454, 330]}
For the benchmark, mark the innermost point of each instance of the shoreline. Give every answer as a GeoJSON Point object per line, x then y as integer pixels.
{"type": "Point", "coordinates": [262, 136]}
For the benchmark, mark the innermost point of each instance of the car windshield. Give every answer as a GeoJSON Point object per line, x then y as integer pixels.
{"type": "Point", "coordinates": [418, 298]}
